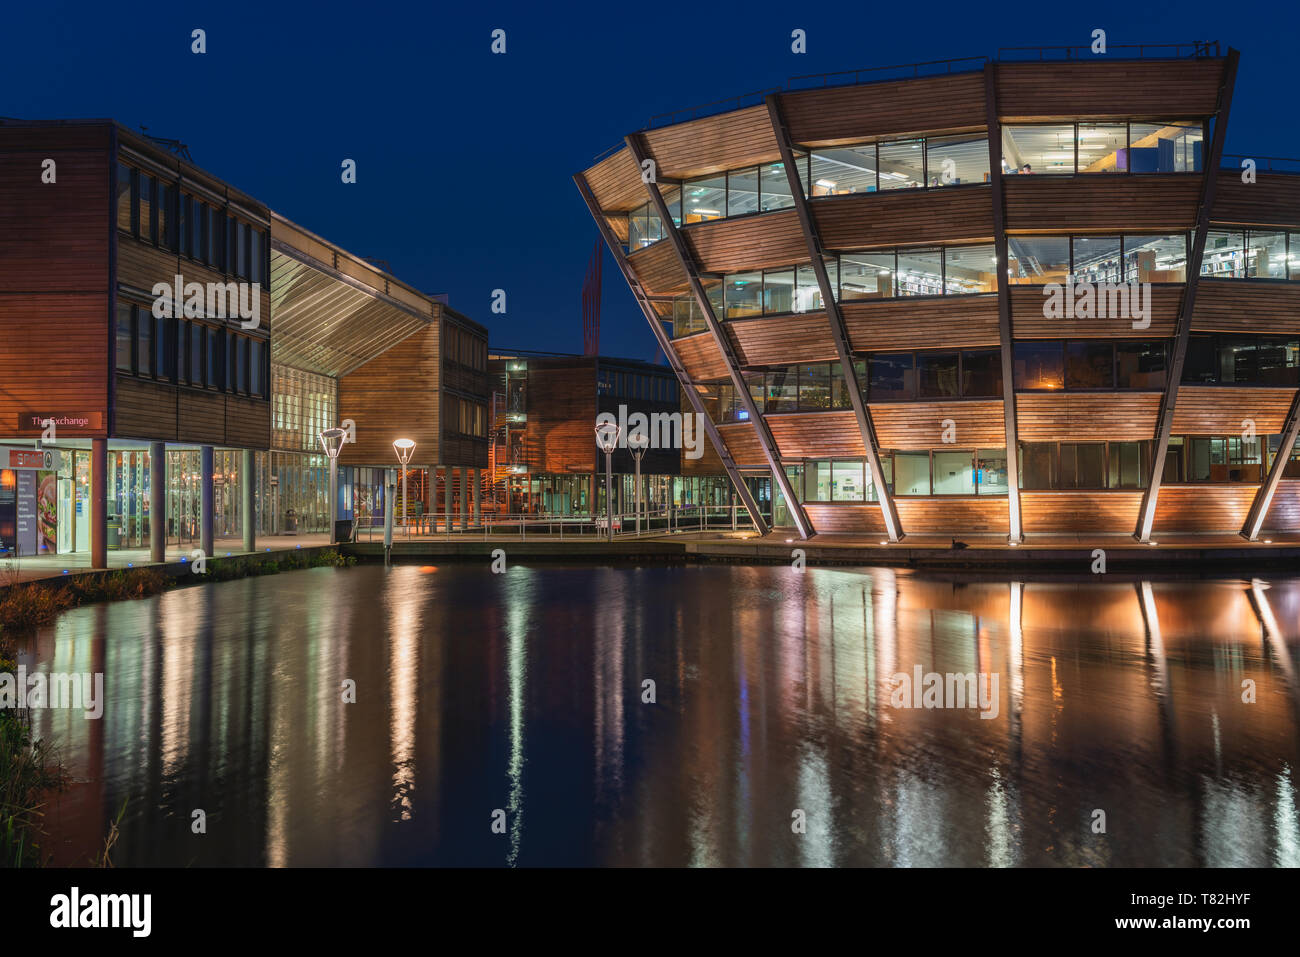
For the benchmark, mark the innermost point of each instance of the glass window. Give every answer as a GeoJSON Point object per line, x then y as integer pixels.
{"type": "Point", "coordinates": [981, 372]}
{"type": "Point", "coordinates": [241, 364]}
{"type": "Point", "coordinates": [954, 473]}
{"type": "Point", "coordinates": [742, 191]}
{"type": "Point", "coordinates": [144, 341]}
{"type": "Point", "coordinates": [1039, 365]}
{"type": "Point", "coordinates": [1225, 255]}
{"type": "Point", "coordinates": [1128, 464]}
{"type": "Point", "coordinates": [891, 376]}
{"type": "Point", "coordinates": [198, 233]}
{"type": "Point", "coordinates": [1083, 465]}
{"type": "Point", "coordinates": [1038, 149]}
{"type": "Point", "coordinates": [1293, 256]}
{"type": "Point", "coordinates": [866, 276]}
{"type": "Point", "coordinates": [124, 173]}
{"type": "Point", "coordinates": [1277, 361]}
{"type": "Point", "coordinates": [213, 242]}
{"type": "Point", "coordinates": [1201, 364]}
{"type": "Point", "coordinates": [841, 398]}
{"type": "Point", "coordinates": [1038, 465]}
{"type": "Point", "coordinates": [196, 354]}
{"type": "Point", "coordinates": [970, 269]}
{"type": "Point", "coordinates": [912, 473]}
{"type": "Point", "coordinates": [184, 222]}
{"type": "Point", "coordinates": [704, 199]}
{"type": "Point", "coordinates": [1089, 365]}
{"type": "Point", "coordinates": [902, 164]}
{"type": "Point", "coordinates": [817, 482]}
{"type": "Point", "coordinates": [1173, 147]}
{"type": "Point", "coordinates": [210, 333]}
{"type": "Point", "coordinates": [847, 484]}
{"type": "Point", "coordinates": [991, 472]}
{"type": "Point", "coordinates": [182, 351]}
{"type": "Point", "coordinates": [1103, 147]}
{"type": "Point", "coordinates": [841, 170]}
{"type": "Point", "coordinates": [808, 293]}
{"type": "Point", "coordinates": [1265, 254]}
{"type": "Point", "coordinates": [125, 341]}
{"type": "Point", "coordinates": [1140, 364]}
{"type": "Point", "coordinates": [255, 254]}
{"type": "Point", "coordinates": [774, 187]}
{"type": "Point", "coordinates": [255, 384]}
{"type": "Point", "coordinates": [920, 272]}
{"type": "Point", "coordinates": [743, 294]}
{"type": "Point", "coordinates": [936, 374]}
{"type": "Point", "coordinates": [1096, 259]}
{"type": "Point", "coordinates": [1238, 359]}
{"type": "Point", "coordinates": [957, 160]}
{"type": "Point", "coordinates": [778, 291]}
{"type": "Point", "coordinates": [814, 387]}
{"type": "Point", "coordinates": [638, 227]}
{"type": "Point", "coordinates": [165, 349]}
{"type": "Point", "coordinates": [1155, 258]}
{"type": "Point", "coordinates": [232, 362]}
{"type": "Point", "coordinates": [1038, 259]}
{"type": "Point", "coordinates": [782, 391]}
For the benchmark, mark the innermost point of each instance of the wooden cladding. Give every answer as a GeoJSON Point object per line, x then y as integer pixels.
{"type": "Point", "coordinates": [816, 435]}
{"type": "Point", "coordinates": [905, 217]}
{"type": "Point", "coordinates": [1086, 416]}
{"type": "Point", "coordinates": [851, 114]}
{"type": "Point", "coordinates": [1202, 508]}
{"type": "Point", "coordinates": [1234, 305]}
{"type": "Point", "coordinates": [701, 357]}
{"type": "Point", "coordinates": [929, 323]}
{"type": "Point", "coordinates": [1028, 321]}
{"type": "Point", "coordinates": [713, 143]}
{"type": "Point", "coordinates": [56, 356]}
{"type": "Point", "coordinates": [1117, 203]}
{"type": "Point", "coordinates": [1220, 410]}
{"type": "Point", "coordinates": [1083, 512]}
{"type": "Point", "coordinates": [1272, 200]}
{"type": "Point", "coordinates": [396, 395]}
{"type": "Point", "coordinates": [159, 411]}
{"type": "Point", "coordinates": [1176, 89]}
{"type": "Point", "coordinates": [742, 442]}
{"type": "Point", "coordinates": [659, 269]}
{"type": "Point", "coordinates": [753, 242]}
{"type": "Point", "coordinates": [920, 425]}
{"type": "Point", "coordinates": [616, 182]}
{"type": "Point", "coordinates": [946, 513]}
{"type": "Point", "coordinates": [1284, 510]}
{"type": "Point", "coordinates": [783, 340]}
{"type": "Point", "coordinates": [844, 519]}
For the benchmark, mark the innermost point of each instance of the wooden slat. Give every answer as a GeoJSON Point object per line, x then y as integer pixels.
{"type": "Point", "coordinates": [1272, 200]}
{"type": "Point", "coordinates": [658, 269]}
{"type": "Point", "coordinates": [1234, 305]}
{"type": "Point", "coordinates": [1202, 508]}
{"type": "Point", "coordinates": [1176, 89]}
{"type": "Point", "coordinates": [751, 242]}
{"type": "Point", "coordinates": [616, 182]}
{"type": "Point", "coordinates": [1284, 510]}
{"type": "Point", "coordinates": [1086, 417]}
{"type": "Point", "coordinates": [147, 410]}
{"type": "Point", "coordinates": [54, 236]}
{"type": "Point", "coordinates": [713, 143]}
{"type": "Point", "coordinates": [816, 435]}
{"type": "Point", "coordinates": [920, 425]}
{"type": "Point", "coordinates": [905, 217]}
{"type": "Point", "coordinates": [783, 340]}
{"type": "Point", "coordinates": [1058, 204]}
{"type": "Point", "coordinates": [743, 444]}
{"type": "Point", "coordinates": [852, 114]}
{"type": "Point", "coordinates": [200, 417]}
{"type": "Point", "coordinates": [950, 514]}
{"type": "Point", "coordinates": [1078, 511]}
{"type": "Point", "coordinates": [840, 519]}
{"type": "Point", "coordinates": [881, 325]}
{"type": "Point", "coordinates": [701, 357]}
{"type": "Point", "coordinates": [1220, 410]}
{"type": "Point", "coordinates": [56, 356]}
{"type": "Point", "coordinates": [395, 395]}
{"type": "Point", "coordinates": [1028, 321]}
{"type": "Point", "coordinates": [248, 422]}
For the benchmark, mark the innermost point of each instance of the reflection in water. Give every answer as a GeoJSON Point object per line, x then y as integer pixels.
{"type": "Point", "coordinates": [771, 739]}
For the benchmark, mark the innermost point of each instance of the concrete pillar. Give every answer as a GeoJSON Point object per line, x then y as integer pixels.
{"type": "Point", "coordinates": [157, 502]}
{"type": "Point", "coordinates": [464, 498]}
{"type": "Point", "coordinates": [207, 504]}
{"type": "Point", "coordinates": [478, 497]}
{"type": "Point", "coordinates": [247, 499]}
{"type": "Point", "coordinates": [99, 503]}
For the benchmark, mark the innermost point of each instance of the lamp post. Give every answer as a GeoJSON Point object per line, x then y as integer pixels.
{"type": "Point", "coordinates": [404, 449]}
{"type": "Point", "coordinates": [637, 443]}
{"type": "Point", "coordinates": [607, 439]}
{"type": "Point", "coordinates": [331, 440]}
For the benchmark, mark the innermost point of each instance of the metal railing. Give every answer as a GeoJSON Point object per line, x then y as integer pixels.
{"type": "Point", "coordinates": [655, 521]}
{"type": "Point", "coordinates": [905, 71]}
{"type": "Point", "coordinates": [709, 109]}
{"type": "Point", "coordinates": [1267, 164]}
{"type": "Point", "coordinates": [1145, 51]}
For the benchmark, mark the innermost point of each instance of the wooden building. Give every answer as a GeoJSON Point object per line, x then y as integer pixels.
{"type": "Point", "coordinates": [993, 296]}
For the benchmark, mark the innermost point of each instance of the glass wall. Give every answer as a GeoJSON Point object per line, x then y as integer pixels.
{"type": "Point", "coordinates": [1175, 146]}
{"type": "Point", "coordinates": [1113, 259]}
{"type": "Point", "coordinates": [905, 376]}
{"type": "Point", "coordinates": [1233, 359]}
{"type": "Point", "coordinates": [1251, 254]}
{"type": "Point", "coordinates": [128, 498]}
{"type": "Point", "coordinates": [1084, 465]}
{"type": "Point", "coordinates": [918, 163]}
{"type": "Point", "coordinates": [1089, 365]}
{"type": "Point", "coordinates": [303, 404]}
{"type": "Point", "coordinates": [945, 471]}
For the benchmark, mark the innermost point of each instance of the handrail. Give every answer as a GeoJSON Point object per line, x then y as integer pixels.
{"type": "Point", "coordinates": [915, 69]}
{"type": "Point", "coordinates": [1197, 48]}
{"type": "Point", "coordinates": [758, 96]}
{"type": "Point", "coordinates": [655, 520]}
{"type": "Point", "coordinates": [1264, 163]}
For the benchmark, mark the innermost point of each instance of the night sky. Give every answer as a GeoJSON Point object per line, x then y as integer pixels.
{"type": "Point", "coordinates": [465, 158]}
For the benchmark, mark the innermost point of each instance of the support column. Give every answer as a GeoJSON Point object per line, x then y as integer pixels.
{"type": "Point", "coordinates": [1264, 497]}
{"type": "Point", "coordinates": [99, 503]}
{"type": "Point", "coordinates": [248, 499]}
{"type": "Point", "coordinates": [674, 360]}
{"type": "Point", "coordinates": [1165, 426]}
{"type": "Point", "coordinates": [157, 502]}
{"type": "Point", "coordinates": [478, 496]}
{"type": "Point", "coordinates": [206, 503]}
{"type": "Point", "coordinates": [464, 503]}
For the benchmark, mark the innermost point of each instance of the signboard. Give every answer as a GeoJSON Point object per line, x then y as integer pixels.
{"type": "Point", "coordinates": [27, 512]}
{"type": "Point", "coordinates": [47, 459]}
{"type": "Point", "coordinates": [65, 423]}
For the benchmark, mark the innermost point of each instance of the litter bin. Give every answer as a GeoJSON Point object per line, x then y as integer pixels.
{"type": "Point", "coordinates": [343, 530]}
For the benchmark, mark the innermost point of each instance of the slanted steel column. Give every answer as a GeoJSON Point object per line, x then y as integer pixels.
{"type": "Point", "coordinates": [636, 146]}
{"type": "Point", "coordinates": [1264, 497]}
{"type": "Point", "coordinates": [1165, 424]}
{"type": "Point", "coordinates": [1015, 531]}
{"type": "Point", "coordinates": [839, 332]}
{"type": "Point", "coordinates": [665, 344]}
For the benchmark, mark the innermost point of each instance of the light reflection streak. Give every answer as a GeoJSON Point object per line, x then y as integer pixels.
{"type": "Point", "coordinates": [519, 615]}
{"type": "Point", "coordinates": [403, 671]}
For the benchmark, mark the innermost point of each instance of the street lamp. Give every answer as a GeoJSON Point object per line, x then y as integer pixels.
{"type": "Point", "coordinates": [637, 443]}
{"type": "Point", "coordinates": [331, 440]}
{"type": "Point", "coordinates": [404, 448]}
{"type": "Point", "coordinates": [607, 439]}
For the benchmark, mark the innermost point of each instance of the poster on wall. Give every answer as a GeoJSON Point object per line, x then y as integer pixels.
{"type": "Point", "coordinates": [26, 512]}
{"type": "Point", "coordinates": [47, 512]}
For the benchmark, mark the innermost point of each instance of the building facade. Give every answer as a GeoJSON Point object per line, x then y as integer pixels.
{"type": "Point", "coordinates": [1009, 297]}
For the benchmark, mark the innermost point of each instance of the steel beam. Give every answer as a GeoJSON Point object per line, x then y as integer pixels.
{"type": "Point", "coordinates": [1165, 424]}
{"type": "Point", "coordinates": [636, 146]}
{"type": "Point", "coordinates": [1264, 497]}
{"type": "Point", "coordinates": [665, 344]}
{"type": "Point", "coordinates": [839, 331]}
{"type": "Point", "coordinates": [1015, 531]}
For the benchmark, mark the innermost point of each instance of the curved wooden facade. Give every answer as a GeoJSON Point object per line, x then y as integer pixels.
{"type": "Point", "coordinates": [1165, 411]}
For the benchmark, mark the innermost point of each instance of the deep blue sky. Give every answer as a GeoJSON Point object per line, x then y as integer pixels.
{"type": "Point", "coordinates": [465, 159]}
